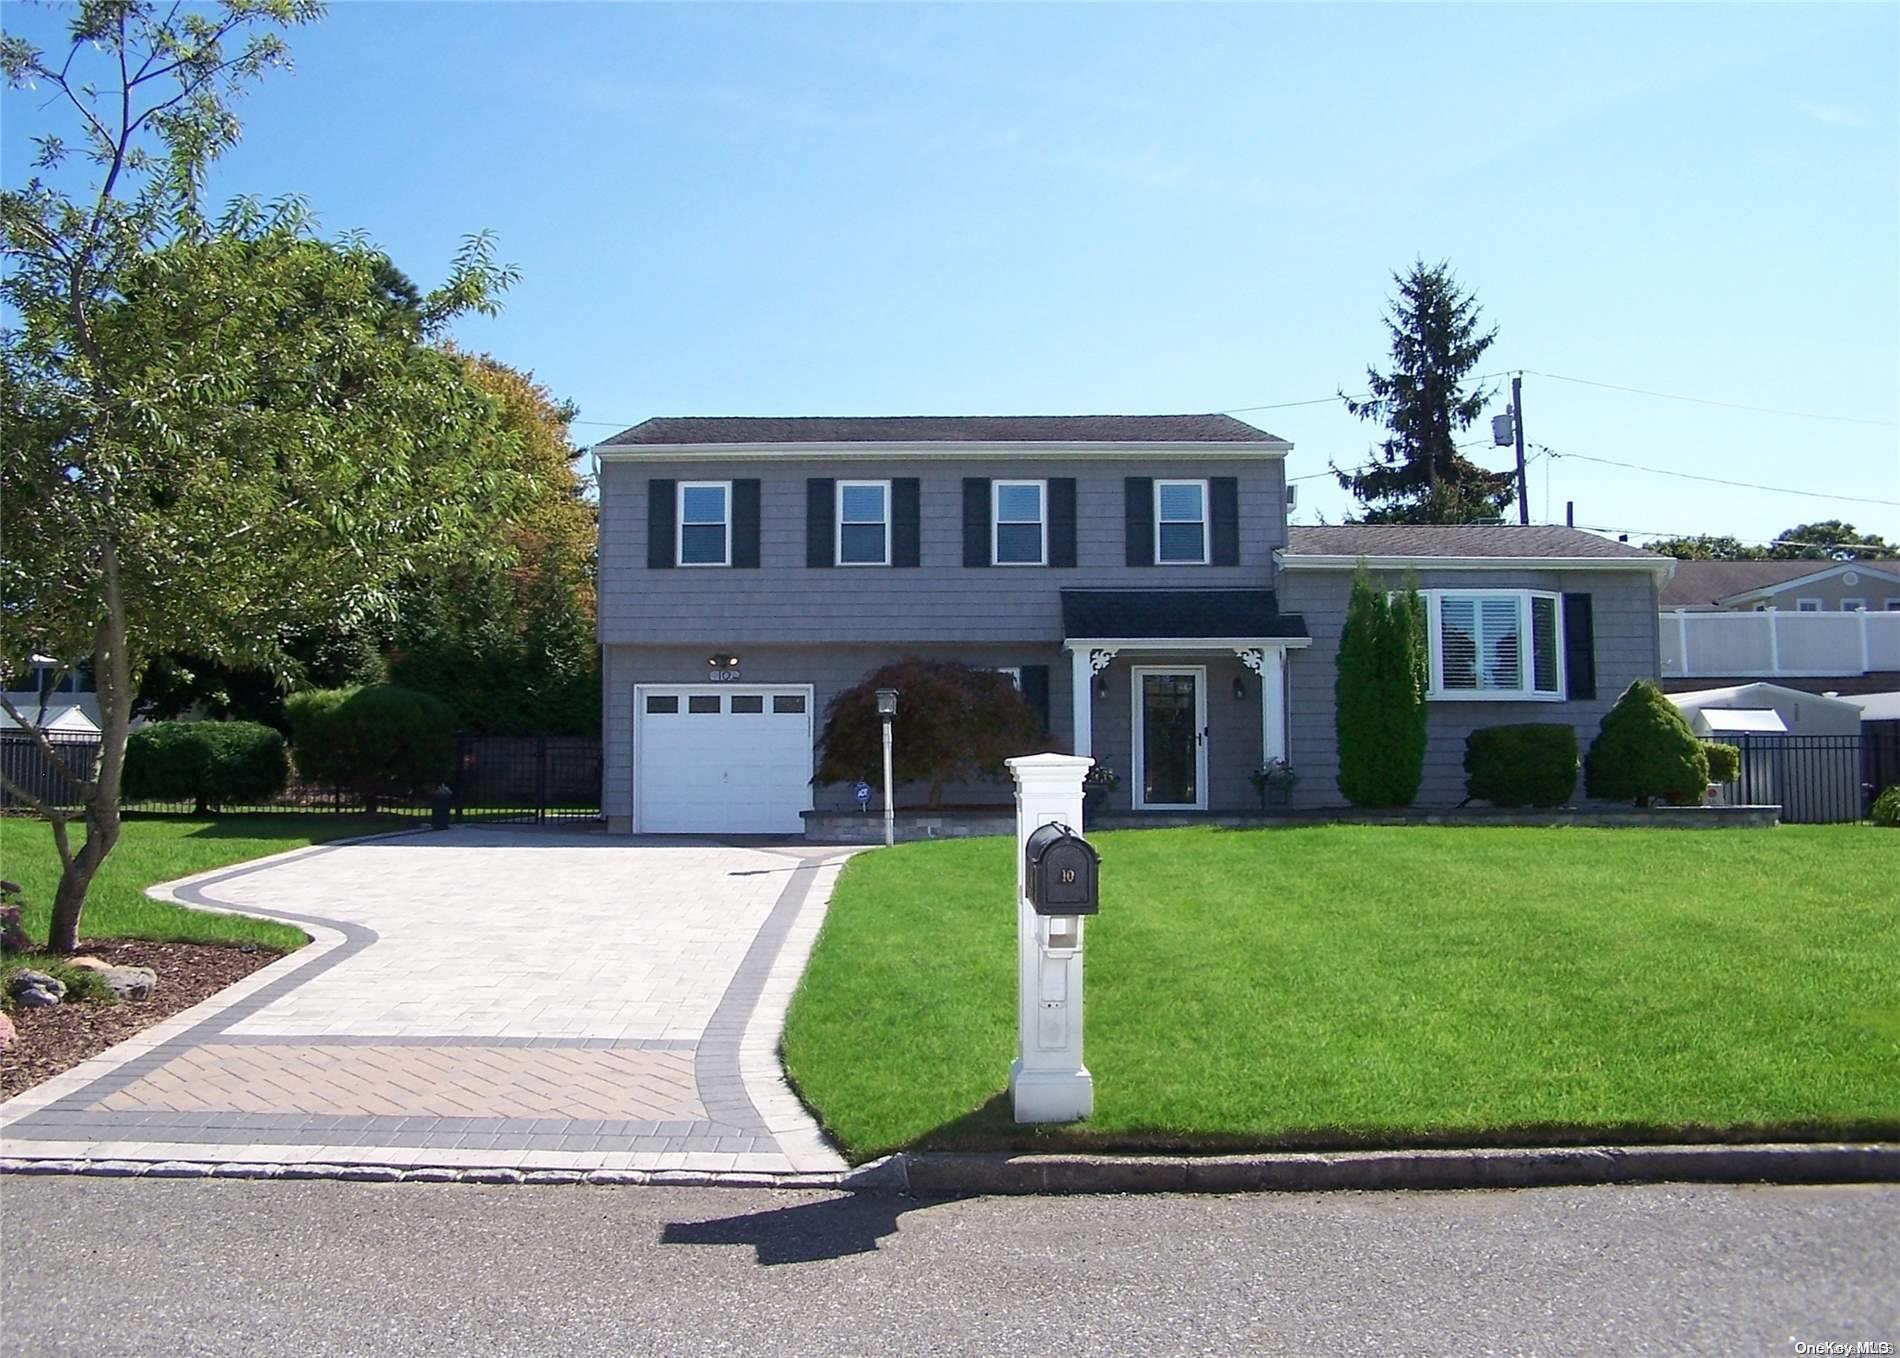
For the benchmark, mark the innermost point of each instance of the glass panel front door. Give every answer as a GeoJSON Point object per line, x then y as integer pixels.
{"type": "Point", "coordinates": [1170, 740]}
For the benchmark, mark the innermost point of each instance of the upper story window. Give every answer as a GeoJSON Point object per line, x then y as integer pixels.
{"type": "Point", "coordinates": [864, 523]}
{"type": "Point", "coordinates": [1181, 523]}
{"type": "Point", "coordinates": [1853, 605]}
{"type": "Point", "coordinates": [705, 511]}
{"type": "Point", "coordinates": [1807, 605]}
{"type": "Point", "coordinates": [1019, 522]}
{"type": "Point", "coordinates": [1495, 645]}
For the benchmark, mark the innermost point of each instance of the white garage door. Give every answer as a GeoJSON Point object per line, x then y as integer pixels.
{"type": "Point", "coordinates": [715, 760]}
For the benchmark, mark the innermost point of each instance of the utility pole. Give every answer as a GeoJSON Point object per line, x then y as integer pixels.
{"type": "Point", "coordinates": [1517, 427]}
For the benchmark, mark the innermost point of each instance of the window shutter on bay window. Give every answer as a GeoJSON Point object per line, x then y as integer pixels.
{"type": "Point", "coordinates": [1580, 654]}
{"type": "Point", "coordinates": [976, 521]}
{"type": "Point", "coordinates": [745, 523]}
{"type": "Point", "coordinates": [1061, 510]}
{"type": "Point", "coordinates": [820, 501]}
{"type": "Point", "coordinates": [662, 523]}
{"type": "Point", "coordinates": [906, 521]}
{"type": "Point", "coordinates": [1138, 502]}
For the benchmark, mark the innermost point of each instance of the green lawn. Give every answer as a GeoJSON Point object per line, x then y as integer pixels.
{"type": "Point", "coordinates": [159, 849]}
{"type": "Point", "coordinates": [1362, 985]}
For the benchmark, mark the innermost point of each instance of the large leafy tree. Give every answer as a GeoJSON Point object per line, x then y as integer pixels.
{"type": "Point", "coordinates": [217, 428]}
{"type": "Point", "coordinates": [1427, 399]}
{"type": "Point", "coordinates": [1704, 547]}
{"type": "Point", "coordinates": [1828, 540]}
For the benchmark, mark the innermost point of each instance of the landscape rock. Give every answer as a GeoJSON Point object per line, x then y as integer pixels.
{"type": "Point", "coordinates": [130, 983]}
{"type": "Point", "coordinates": [8, 1033]}
{"type": "Point", "coordinates": [35, 989]}
{"type": "Point", "coordinates": [89, 964]}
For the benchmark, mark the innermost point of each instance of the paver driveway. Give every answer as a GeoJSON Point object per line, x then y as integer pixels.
{"type": "Point", "coordinates": [509, 997]}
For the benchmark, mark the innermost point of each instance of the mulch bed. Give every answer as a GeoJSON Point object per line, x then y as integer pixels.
{"type": "Point", "coordinates": [57, 1039]}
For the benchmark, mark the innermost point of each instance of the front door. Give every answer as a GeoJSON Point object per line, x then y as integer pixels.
{"type": "Point", "coordinates": [1170, 739]}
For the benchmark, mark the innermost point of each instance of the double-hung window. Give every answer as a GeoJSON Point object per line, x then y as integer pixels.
{"type": "Point", "coordinates": [1495, 645]}
{"type": "Point", "coordinates": [1181, 523]}
{"type": "Point", "coordinates": [864, 523]}
{"type": "Point", "coordinates": [1020, 523]}
{"type": "Point", "coordinates": [705, 518]}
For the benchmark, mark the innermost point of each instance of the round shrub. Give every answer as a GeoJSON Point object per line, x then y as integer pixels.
{"type": "Point", "coordinates": [1887, 808]}
{"type": "Point", "coordinates": [207, 763]}
{"type": "Point", "coordinates": [378, 741]}
{"type": "Point", "coordinates": [1725, 762]}
{"type": "Point", "coordinates": [1644, 749]}
{"type": "Point", "coordinates": [1529, 764]}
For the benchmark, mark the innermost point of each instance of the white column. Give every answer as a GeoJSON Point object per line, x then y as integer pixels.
{"type": "Point", "coordinates": [1047, 1080]}
{"type": "Point", "coordinates": [1273, 704]}
{"type": "Point", "coordinates": [1081, 703]}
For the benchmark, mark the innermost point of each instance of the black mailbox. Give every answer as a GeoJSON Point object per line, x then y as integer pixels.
{"type": "Point", "coordinates": [1060, 868]}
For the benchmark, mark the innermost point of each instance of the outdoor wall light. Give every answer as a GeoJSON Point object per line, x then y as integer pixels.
{"type": "Point", "coordinates": [1240, 689]}
{"type": "Point", "coordinates": [1101, 687]}
{"type": "Point", "coordinates": [722, 662]}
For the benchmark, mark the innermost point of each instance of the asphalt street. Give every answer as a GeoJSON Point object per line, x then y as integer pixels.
{"type": "Point", "coordinates": [102, 1267]}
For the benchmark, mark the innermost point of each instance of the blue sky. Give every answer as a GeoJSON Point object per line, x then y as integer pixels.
{"type": "Point", "coordinates": [720, 209]}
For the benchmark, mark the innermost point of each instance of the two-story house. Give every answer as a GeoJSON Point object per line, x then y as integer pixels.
{"type": "Point", "coordinates": [1135, 574]}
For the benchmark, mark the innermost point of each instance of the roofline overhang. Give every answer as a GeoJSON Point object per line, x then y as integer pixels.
{"type": "Point", "coordinates": [844, 452]}
{"type": "Point", "coordinates": [1185, 643]}
{"type": "Point", "coordinates": [1661, 567]}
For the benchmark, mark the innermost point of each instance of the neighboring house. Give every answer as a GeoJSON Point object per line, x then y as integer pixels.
{"type": "Point", "coordinates": [1135, 574]}
{"type": "Point", "coordinates": [1814, 625]}
{"type": "Point", "coordinates": [40, 680]}
{"type": "Point", "coordinates": [1791, 586]}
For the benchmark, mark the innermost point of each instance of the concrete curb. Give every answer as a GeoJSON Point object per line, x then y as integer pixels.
{"type": "Point", "coordinates": [948, 1174]}
{"type": "Point", "coordinates": [957, 1174]}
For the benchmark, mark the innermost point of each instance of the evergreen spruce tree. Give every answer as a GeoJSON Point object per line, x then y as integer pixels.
{"type": "Point", "coordinates": [1417, 474]}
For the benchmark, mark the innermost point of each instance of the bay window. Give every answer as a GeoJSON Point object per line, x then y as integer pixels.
{"type": "Point", "coordinates": [1495, 645]}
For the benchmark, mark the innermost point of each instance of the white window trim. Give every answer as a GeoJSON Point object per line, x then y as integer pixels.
{"type": "Point", "coordinates": [1207, 514]}
{"type": "Point", "coordinates": [1853, 605]}
{"type": "Point", "coordinates": [1893, 604]}
{"type": "Point", "coordinates": [996, 522]}
{"type": "Point", "coordinates": [680, 525]}
{"type": "Point", "coordinates": [1809, 606]}
{"type": "Point", "coordinates": [1015, 673]}
{"type": "Point", "coordinates": [1527, 646]}
{"type": "Point", "coordinates": [837, 522]}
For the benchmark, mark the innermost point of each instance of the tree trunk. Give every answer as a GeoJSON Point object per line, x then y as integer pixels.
{"type": "Point", "coordinates": [69, 900]}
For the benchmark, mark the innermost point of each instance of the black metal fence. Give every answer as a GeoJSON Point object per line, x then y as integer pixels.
{"type": "Point", "coordinates": [499, 779]}
{"type": "Point", "coordinates": [1815, 780]}
{"type": "Point", "coordinates": [1880, 754]}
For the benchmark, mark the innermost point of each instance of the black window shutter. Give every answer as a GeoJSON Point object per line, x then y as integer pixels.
{"type": "Point", "coordinates": [1061, 524]}
{"type": "Point", "coordinates": [820, 502]}
{"type": "Point", "coordinates": [1036, 691]}
{"type": "Point", "coordinates": [662, 526]}
{"type": "Point", "coordinates": [1580, 648]}
{"type": "Point", "coordinates": [745, 523]}
{"type": "Point", "coordinates": [1139, 500]}
{"type": "Point", "coordinates": [976, 521]}
{"type": "Point", "coordinates": [906, 521]}
{"type": "Point", "coordinates": [1223, 494]}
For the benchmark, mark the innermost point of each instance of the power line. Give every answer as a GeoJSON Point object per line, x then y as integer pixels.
{"type": "Point", "coordinates": [1722, 481]}
{"type": "Point", "coordinates": [1704, 401]}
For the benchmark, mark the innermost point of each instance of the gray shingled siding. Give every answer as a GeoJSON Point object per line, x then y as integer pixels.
{"type": "Point", "coordinates": [940, 601]}
{"type": "Point", "coordinates": [1233, 725]}
{"type": "Point", "coordinates": [1627, 648]}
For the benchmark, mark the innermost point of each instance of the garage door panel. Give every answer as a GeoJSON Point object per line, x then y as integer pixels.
{"type": "Point", "coordinates": [702, 767]}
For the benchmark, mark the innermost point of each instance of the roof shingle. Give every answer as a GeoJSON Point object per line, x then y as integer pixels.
{"type": "Point", "coordinates": [718, 429]}
{"type": "Point", "coordinates": [1701, 584]}
{"type": "Point", "coordinates": [1550, 541]}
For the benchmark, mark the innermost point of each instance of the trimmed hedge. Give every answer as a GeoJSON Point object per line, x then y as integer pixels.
{"type": "Point", "coordinates": [1887, 808]}
{"type": "Point", "coordinates": [1725, 761]}
{"type": "Point", "coordinates": [1644, 749]}
{"type": "Point", "coordinates": [207, 763]}
{"type": "Point", "coordinates": [1528, 764]}
{"type": "Point", "coordinates": [378, 741]}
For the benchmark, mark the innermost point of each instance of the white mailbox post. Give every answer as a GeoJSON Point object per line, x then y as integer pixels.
{"type": "Point", "coordinates": [1047, 1081]}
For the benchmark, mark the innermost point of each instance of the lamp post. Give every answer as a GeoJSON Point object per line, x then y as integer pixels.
{"type": "Point", "coordinates": [887, 712]}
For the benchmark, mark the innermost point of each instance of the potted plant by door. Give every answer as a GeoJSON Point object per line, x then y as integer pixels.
{"type": "Point", "coordinates": [1097, 783]}
{"type": "Point", "coordinates": [1274, 782]}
